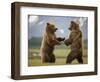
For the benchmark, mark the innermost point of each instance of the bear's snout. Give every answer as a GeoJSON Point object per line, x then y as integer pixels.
{"type": "Point", "coordinates": [69, 28]}
{"type": "Point", "coordinates": [56, 29]}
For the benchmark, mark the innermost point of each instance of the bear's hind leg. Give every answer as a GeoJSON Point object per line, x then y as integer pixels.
{"type": "Point", "coordinates": [52, 58]}
{"type": "Point", "coordinates": [46, 58]}
{"type": "Point", "coordinates": [70, 57]}
{"type": "Point", "coordinates": [79, 59]}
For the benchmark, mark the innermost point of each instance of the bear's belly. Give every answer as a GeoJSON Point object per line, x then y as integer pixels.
{"type": "Point", "coordinates": [48, 49]}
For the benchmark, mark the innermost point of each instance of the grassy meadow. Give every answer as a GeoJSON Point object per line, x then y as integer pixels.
{"type": "Point", "coordinates": [60, 52]}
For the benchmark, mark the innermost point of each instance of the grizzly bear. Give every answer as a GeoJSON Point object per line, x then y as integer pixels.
{"type": "Point", "coordinates": [48, 43]}
{"type": "Point", "coordinates": [75, 42]}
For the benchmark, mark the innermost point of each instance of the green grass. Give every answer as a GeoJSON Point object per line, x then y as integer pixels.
{"type": "Point", "coordinates": [61, 54]}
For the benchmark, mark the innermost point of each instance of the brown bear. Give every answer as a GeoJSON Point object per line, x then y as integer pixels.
{"type": "Point", "coordinates": [48, 43]}
{"type": "Point", "coordinates": [75, 42]}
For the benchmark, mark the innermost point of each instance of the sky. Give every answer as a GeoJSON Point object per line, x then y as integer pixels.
{"type": "Point", "coordinates": [37, 25]}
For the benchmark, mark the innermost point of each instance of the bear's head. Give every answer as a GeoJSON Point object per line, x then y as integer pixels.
{"type": "Point", "coordinates": [50, 28]}
{"type": "Point", "coordinates": [74, 26]}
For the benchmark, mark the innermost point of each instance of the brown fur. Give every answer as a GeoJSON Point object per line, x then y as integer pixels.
{"type": "Point", "coordinates": [75, 41]}
{"type": "Point", "coordinates": [48, 43]}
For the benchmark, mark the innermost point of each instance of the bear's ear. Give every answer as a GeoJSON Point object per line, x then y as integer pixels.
{"type": "Point", "coordinates": [48, 24]}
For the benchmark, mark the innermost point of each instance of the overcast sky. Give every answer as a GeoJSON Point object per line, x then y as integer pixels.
{"type": "Point", "coordinates": [37, 25]}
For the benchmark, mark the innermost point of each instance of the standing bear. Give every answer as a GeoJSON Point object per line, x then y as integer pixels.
{"type": "Point", "coordinates": [75, 42]}
{"type": "Point", "coordinates": [48, 43]}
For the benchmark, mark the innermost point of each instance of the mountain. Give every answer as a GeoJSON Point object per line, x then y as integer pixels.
{"type": "Point", "coordinates": [34, 42]}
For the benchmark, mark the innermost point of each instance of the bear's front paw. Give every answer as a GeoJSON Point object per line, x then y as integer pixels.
{"type": "Point", "coordinates": [67, 42]}
{"type": "Point", "coordinates": [60, 39]}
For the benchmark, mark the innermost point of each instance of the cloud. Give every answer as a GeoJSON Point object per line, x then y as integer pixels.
{"type": "Point", "coordinates": [41, 22]}
{"type": "Point", "coordinates": [33, 19]}
{"type": "Point", "coordinates": [60, 33]}
{"type": "Point", "coordinates": [80, 20]}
